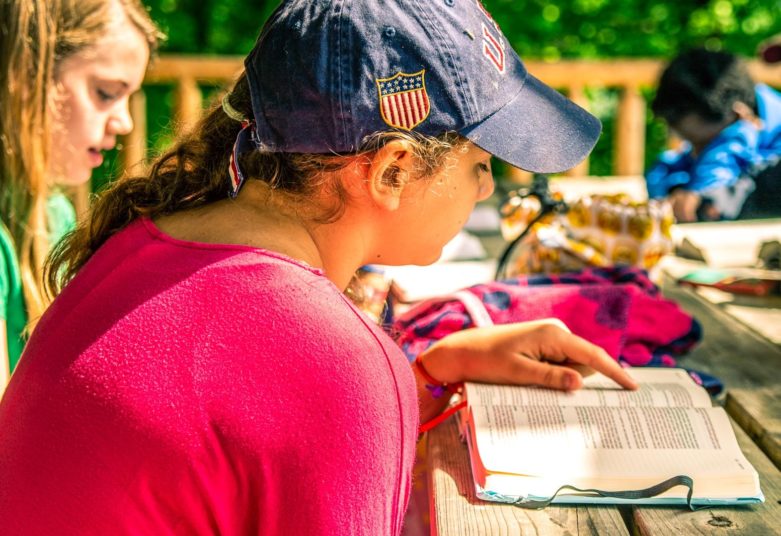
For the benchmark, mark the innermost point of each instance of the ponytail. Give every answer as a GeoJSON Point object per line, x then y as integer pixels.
{"type": "Point", "coordinates": [191, 174]}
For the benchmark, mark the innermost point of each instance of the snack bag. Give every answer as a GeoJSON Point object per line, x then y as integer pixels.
{"type": "Point", "coordinates": [597, 230]}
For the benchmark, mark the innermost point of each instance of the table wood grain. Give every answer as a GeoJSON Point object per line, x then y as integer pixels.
{"type": "Point", "coordinates": [758, 519]}
{"type": "Point", "coordinates": [758, 412]}
{"type": "Point", "coordinates": [458, 512]}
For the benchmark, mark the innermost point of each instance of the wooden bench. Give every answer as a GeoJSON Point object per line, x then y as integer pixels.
{"type": "Point", "coordinates": [749, 365]}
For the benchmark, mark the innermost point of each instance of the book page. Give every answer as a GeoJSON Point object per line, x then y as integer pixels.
{"type": "Point", "coordinates": [607, 442]}
{"type": "Point", "coordinates": [658, 388]}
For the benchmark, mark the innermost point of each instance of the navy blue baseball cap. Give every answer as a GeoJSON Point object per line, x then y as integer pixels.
{"type": "Point", "coordinates": [324, 74]}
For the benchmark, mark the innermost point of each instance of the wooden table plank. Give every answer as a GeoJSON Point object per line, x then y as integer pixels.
{"type": "Point", "coordinates": [759, 313]}
{"type": "Point", "coordinates": [757, 519]}
{"type": "Point", "coordinates": [737, 354]}
{"type": "Point", "coordinates": [725, 243]}
{"type": "Point", "coordinates": [456, 511]}
{"type": "Point", "coordinates": [758, 412]}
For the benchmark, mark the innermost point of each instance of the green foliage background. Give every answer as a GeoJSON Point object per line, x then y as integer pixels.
{"type": "Point", "coordinates": [538, 29]}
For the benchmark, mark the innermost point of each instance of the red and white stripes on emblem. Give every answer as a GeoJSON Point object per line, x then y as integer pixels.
{"type": "Point", "coordinates": [406, 109]}
{"type": "Point", "coordinates": [493, 49]}
{"type": "Point", "coordinates": [403, 99]}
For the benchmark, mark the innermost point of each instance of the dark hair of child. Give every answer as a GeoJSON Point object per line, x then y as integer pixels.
{"type": "Point", "coordinates": [704, 83]}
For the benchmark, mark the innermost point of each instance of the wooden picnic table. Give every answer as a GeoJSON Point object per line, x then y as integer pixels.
{"type": "Point", "coordinates": [748, 363]}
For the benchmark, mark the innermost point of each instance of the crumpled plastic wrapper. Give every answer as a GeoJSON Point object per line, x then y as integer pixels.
{"type": "Point", "coordinates": [598, 230]}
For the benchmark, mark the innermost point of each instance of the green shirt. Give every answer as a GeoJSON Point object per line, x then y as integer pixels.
{"type": "Point", "coordinates": [11, 299]}
{"type": "Point", "coordinates": [62, 218]}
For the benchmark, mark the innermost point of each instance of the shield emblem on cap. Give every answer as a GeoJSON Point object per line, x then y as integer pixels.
{"type": "Point", "coordinates": [403, 99]}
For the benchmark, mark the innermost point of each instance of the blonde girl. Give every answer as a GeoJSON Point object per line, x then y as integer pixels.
{"type": "Point", "coordinates": [67, 69]}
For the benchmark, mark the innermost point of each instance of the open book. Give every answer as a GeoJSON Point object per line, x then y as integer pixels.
{"type": "Point", "coordinates": [525, 443]}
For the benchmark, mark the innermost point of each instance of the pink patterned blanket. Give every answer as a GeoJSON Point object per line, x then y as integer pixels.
{"type": "Point", "coordinates": [618, 308]}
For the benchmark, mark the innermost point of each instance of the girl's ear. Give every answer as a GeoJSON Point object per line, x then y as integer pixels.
{"type": "Point", "coordinates": [390, 170]}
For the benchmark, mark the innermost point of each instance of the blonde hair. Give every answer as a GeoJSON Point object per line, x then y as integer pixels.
{"type": "Point", "coordinates": [35, 37]}
{"type": "Point", "coordinates": [195, 173]}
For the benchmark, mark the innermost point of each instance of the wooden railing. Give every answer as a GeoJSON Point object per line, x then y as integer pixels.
{"type": "Point", "coordinates": [629, 76]}
{"type": "Point", "coordinates": [185, 73]}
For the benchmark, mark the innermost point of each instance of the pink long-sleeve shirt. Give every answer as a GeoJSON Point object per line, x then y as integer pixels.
{"type": "Point", "coordinates": [185, 388]}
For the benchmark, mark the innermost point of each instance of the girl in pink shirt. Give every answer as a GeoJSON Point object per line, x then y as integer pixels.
{"type": "Point", "coordinates": [201, 371]}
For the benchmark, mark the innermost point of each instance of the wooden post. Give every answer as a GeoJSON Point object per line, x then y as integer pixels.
{"type": "Point", "coordinates": [188, 103]}
{"type": "Point", "coordinates": [134, 144]}
{"type": "Point", "coordinates": [578, 96]}
{"type": "Point", "coordinates": [630, 133]}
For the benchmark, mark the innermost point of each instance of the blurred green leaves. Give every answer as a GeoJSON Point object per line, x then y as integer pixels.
{"type": "Point", "coordinates": [537, 29]}
{"type": "Point", "coordinates": [633, 28]}
{"type": "Point", "coordinates": [210, 26]}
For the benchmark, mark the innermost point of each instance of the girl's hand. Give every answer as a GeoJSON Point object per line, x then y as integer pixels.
{"type": "Point", "coordinates": [542, 352]}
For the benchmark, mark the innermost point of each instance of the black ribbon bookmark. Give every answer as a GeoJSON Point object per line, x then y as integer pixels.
{"type": "Point", "coordinates": [680, 480]}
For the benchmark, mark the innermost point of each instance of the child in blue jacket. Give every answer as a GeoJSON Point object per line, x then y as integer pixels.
{"type": "Point", "coordinates": [728, 166]}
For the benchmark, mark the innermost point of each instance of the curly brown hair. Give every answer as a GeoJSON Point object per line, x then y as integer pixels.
{"type": "Point", "coordinates": [194, 173]}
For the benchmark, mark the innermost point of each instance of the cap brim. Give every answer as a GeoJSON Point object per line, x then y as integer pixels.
{"type": "Point", "coordinates": [539, 130]}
